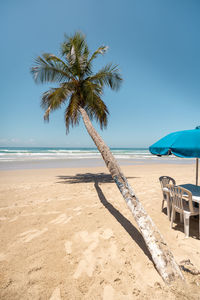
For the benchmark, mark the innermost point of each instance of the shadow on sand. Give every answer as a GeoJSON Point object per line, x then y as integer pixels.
{"type": "Point", "coordinates": [179, 226]}
{"type": "Point", "coordinates": [87, 177]}
{"type": "Point", "coordinates": [125, 223]}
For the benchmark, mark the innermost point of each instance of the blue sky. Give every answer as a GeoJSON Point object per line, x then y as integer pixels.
{"type": "Point", "coordinates": [155, 43]}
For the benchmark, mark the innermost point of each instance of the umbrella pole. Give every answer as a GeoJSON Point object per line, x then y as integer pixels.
{"type": "Point", "coordinates": [197, 170]}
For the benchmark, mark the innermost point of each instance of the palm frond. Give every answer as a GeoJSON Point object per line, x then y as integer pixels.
{"type": "Point", "coordinates": [90, 88]}
{"type": "Point", "coordinates": [77, 41]}
{"type": "Point", "coordinates": [54, 98]}
{"type": "Point", "coordinates": [49, 69]}
{"type": "Point", "coordinates": [100, 51]}
{"type": "Point", "coordinates": [109, 75]}
{"type": "Point", "coordinates": [58, 61]}
{"type": "Point", "coordinates": [98, 110]}
{"type": "Point", "coordinates": [76, 52]}
{"type": "Point", "coordinates": [72, 114]}
{"type": "Point", "coordinates": [94, 105]}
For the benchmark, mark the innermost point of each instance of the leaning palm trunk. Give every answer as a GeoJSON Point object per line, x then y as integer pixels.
{"type": "Point", "coordinates": [162, 257]}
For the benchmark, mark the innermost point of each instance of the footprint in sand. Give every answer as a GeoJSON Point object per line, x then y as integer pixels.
{"type": "Point", "coordinates": [112, 251]}
{"type": "Point", "coordinates": [2, 256]}
{"type": "Point", "coordinates": [86, 237]}
{"type": "Point", "coordinates": [77, 208]}
{"type": "Point", "coordinates": [108, 292]}
{"type": "Point", "coordinates": [89, 260]}
{"type": "Point", "coordinates": [87, 264]}
{"type": "Point", "coordinates": [78, 213]}
{"type": "Point", "coordinates": [68, 247]}
{"type": "Point", "coordinates": [3, 218]}
{"type": "Point", "coordinates": [61, 219]}
{"type": "Point", "coordinates": [56, 294]}
{"type": "Point", "coordinates": [13, 219]}
{"type": "Point", "coordinates": [107, 234]}
{"type": "Point", "coordinates": [29, 235]}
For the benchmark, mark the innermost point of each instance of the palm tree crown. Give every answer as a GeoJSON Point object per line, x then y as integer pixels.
{"type": "Point", "coordinates": [77, 84]}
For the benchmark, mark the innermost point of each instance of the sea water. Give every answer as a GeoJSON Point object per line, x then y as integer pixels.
{"type": "Point", "coordinates": [36, 153]}
{"type": "Point", "coordinates": [36, 157]}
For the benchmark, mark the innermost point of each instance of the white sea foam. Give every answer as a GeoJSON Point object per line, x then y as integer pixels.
{"type": "Point", "coordinates": [38, 154]}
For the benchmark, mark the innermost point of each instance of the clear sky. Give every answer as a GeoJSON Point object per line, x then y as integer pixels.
{"type": "Point", "coordinates": [155, 43]}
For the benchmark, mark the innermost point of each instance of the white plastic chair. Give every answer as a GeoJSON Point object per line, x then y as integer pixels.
{"type": "Point", "coordinates": [164, 181]}
{"type": "Point", "coordinates": [182, 203]}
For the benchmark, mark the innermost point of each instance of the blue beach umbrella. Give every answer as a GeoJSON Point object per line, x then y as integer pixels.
{"type": "Point", "coordinates": [184, 143]}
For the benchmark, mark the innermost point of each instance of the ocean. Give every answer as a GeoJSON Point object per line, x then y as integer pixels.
{"type": "Point", "coordinates": [36, 157]}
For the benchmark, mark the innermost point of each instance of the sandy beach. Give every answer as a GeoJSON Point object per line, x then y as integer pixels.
{"type": "Point", "coordinates": [67, 234]}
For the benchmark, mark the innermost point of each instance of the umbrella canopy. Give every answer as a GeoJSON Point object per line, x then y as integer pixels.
{"type": "Point", "coordinates": [184, 143]}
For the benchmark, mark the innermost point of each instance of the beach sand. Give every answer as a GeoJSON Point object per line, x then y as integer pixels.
{"type": "Point", "coordinates": [67, 234]}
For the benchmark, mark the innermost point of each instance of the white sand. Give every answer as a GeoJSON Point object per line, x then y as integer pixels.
{"type": "Point", "coordinates": [67, 234]}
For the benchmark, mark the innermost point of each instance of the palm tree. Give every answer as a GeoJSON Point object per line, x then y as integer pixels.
{"type": "Point", "coordinates": [81, 90]}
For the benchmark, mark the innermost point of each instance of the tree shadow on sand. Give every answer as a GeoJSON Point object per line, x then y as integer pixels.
{"type": "Point", "coordinates": [87, 177]}
{"type": "Point", "coordinates": [125, 223]}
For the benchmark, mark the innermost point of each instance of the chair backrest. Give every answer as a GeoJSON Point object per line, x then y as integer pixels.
{"type": "Point", "coordinates": [179, 195]}
{"type": "Point", "coordinates": [165, 180]}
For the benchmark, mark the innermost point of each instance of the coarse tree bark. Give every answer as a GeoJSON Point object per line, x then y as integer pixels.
{"type": "Point", "coordinates": [161, 255]}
